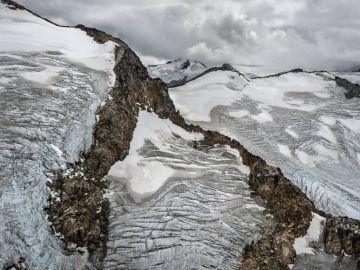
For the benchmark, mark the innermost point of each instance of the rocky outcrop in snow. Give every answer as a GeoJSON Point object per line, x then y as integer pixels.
{"type": "Point", "coordinates": [342, 235]}
{"type": "Point", "coordinates": [353, 89]}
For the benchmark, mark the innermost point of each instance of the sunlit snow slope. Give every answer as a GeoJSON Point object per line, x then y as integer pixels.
{"type": "Point", "coordinates": [52, 80]}
{"type": "Point", "coordinates": [300, 122]}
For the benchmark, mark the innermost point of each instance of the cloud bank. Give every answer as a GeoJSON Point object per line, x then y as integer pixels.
{"type": "Point", "coordinates": [311, 34]}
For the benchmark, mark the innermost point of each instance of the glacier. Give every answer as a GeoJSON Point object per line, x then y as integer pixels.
{"type": "Point", "coordinates": [200, 214]}
{"type": "Point", "coordinates": [175, 203]}
{"type": "Point", "coordinates": [53, 79]}
{"type": "Point", "coordinates": [300, 122]}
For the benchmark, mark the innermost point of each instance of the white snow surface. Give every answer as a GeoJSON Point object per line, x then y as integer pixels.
{"type": "Point", "coordinates": [313, 234]}
{"type": "Point", "coordinates": [22, 31]}
{"type": "Point", "coordinates": [52, 80]}
{"type": "Point", "coordinates": [292, 133]}
{"type": "Point", "coordinates": [285, 150]}
{"type": "Point", "coordinates": [196, 99]}
{"type": "Point", "coordinates": [326, 133]}
{"type": "Point", "coordinates": [263, 117]}
{"type": "Point", "coordinates": [272, 91]}
{"type": "Point", "coordinates": [352, 124]}
{"type": "Point", "coordinates": [145, 178]}
{"type": "Point", "coordinates": [239, 114]}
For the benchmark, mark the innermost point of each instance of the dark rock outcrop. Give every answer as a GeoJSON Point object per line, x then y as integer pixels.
{"type": "Point", "coordinates": [185, 65]}
{"type": "Point", "coordinates": [342, 234]}
{"type": "Point", "coordinates": [353, 89]}
{"type": "Point", "coordinates": [296, 70]}
{"type": "Point", "coordinates": [224, 67]}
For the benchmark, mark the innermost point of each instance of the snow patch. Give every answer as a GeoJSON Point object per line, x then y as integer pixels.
{"type": "Point", "coordinates": [313, 234]}
{"type": "Point", "coordinates": [352, 124]}
{"type": "Point", "coordinates": [196, 99]}
{"type": "Point", "coordinates": [325, 132]}
{"type": "Point", "coordinates": [263, 117]}
{"type": "Point", "coordinates": [328, 120]}
{"type": "Point", "coordinates": [239, 114]}
{"type": "Point", "coordinates": [292, 133]}
{"type": "Point", "coordinates": [285, 150]}
{"type": "Point", "coordinates": [325, 152]}
{"type": "Point", "coordinates": [254, 206]}
{"type": "Point", "coordinates": [57, 150]}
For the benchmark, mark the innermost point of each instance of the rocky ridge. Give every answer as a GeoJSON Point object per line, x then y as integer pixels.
{"type": "Point", "coordinates": [73, 214]}
{"type": "Point", "coordinates": [134, 90]}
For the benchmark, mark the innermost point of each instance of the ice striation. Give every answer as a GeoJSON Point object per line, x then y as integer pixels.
{"type": "Point", "coordinates": [201, 215]}
{"type": "Point", "coordinates": [50, 89]}
{"type": "Point", "coordinates": [298, 121]}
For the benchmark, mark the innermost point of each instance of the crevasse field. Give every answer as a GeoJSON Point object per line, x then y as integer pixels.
{"type": "Point", "coordinates": [52, 81]}
{"type": "Point", "coordinates": [300, 122]}
{"type": "Point", "coordinates": [174, 203]}
{"type": "Point", "coordinates": [176, 207]}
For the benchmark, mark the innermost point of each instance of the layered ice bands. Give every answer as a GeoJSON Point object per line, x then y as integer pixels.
{"type": "Point", "coordinates": [300, 122]}
{"type": "Point", "coordinates": [176, 204]}
{"type": "Point", "coordinates": [52, 80]}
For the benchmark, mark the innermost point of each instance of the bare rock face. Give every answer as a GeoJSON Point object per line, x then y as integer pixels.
{"type": "Point", "coordinates": [342, 235]}
{"type": "Point", "coordinates": [272, 251]}
{"type": "Point", "coordinates": [292, 213]}
{"type": "Point", "coordinates": [293, 208]}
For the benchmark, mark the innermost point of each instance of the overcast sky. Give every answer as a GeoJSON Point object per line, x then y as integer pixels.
{"type": "Point", "coordinates": [312, 34]}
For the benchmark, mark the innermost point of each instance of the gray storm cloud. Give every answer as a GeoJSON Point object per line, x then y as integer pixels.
{"type": "Point", "coordinates": [311, 34]}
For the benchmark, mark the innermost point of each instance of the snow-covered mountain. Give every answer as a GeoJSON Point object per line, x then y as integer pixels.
{"type": "Point", "coordinates": [177, 71]}
{"type": "Point", "coordinates": [100, 170]}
